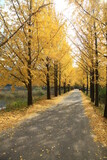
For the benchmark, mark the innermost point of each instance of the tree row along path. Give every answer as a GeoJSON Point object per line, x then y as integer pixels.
{"type": "Point", "coordinates": [61, 132]}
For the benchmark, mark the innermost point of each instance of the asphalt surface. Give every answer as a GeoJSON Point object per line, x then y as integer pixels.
{"type": "Point", "coordinates": [60, 133]}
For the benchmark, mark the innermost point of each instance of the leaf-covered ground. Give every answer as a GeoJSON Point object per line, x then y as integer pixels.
{"type": "Point", "coordinates": [97, 122]}
{"type": "Point", "coordinates": [10, 119]}
{"type": "Point", "coordinates": [61, 132]}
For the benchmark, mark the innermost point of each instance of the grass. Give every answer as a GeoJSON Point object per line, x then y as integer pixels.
{"type": "Point", "coordinates": [102, 95]}
{"type": "Point", "coordinates": [102, 99]}
{"type": "Point", "coordinates": [97, 121]}
{"type": "Point", "coordinates": [17, 100]}
{"type": "Point", "coordinates": [16, 105]}
{"type": "Point", "coordinates": [99, 109]}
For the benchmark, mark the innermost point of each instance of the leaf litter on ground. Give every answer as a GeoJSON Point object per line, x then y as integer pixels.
{"type": "Point", "coordinates": [10, 119]}
{"type": "Point", "coordinates": [97, 122]}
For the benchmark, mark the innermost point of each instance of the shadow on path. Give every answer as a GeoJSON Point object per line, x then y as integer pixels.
{"type": "Point", "coordinates": [61, 132]}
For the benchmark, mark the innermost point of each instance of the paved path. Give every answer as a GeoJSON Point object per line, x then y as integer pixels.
{"type": "Point", "coordinates": [60, 133]}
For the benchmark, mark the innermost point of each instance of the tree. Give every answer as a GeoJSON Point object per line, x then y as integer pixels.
{"type": "Point", "coordinates": [20, 55]}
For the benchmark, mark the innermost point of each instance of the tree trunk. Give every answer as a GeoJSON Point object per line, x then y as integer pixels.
{"type": "Point", "coordinates": [96, 71]}
{"type": "Point", "coordinates": [48, 80]}
{"type": "Point", "coordinates": [90, 84]}
{"type": "Point", "coordinates": [97, 90]}
{"type": "Point", "coordinates": [105, 110]}
{"type": "Point", "coordinates": [92, 71]}
{"type": "Point", "coordinates": [59, 79]}
{"type": "Point", "coordinates": [92, 89]}
{"type": "Point", "coordinates": [83, 88]}
{"type": "Point", "coordinates": [87, 83]}
{"type": "Point", "coordinates": [55, 80]}
{"type": "Point", "coordinates": [29, 86]}
{"type": "Point", "coordinates": [68, 87]}
{"type": "Point", "coordinates": [65, 87]}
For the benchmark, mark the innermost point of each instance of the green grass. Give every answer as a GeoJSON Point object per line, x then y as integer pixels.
{"type": "Point", "coordinates": [17, 100]}
{"type": "Point", "coordinates": [16, 105]}
{"type": "Point", "coordinates": [102, 96]}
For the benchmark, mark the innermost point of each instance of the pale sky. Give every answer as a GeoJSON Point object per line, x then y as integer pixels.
{"type": "Point", "coordinates": [61, 5]}
{"type": "Point", "coordinates": [1, 1]}
{"type": "Point", "coordinates": [66, 10]}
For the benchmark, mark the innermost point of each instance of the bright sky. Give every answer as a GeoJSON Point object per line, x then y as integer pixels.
{"type": "Point", "coordinates": [1, 1]}
{"type": "Point", "coordinates": [104, 1]}
{"type": "Point", "coordinates": [60, 5]}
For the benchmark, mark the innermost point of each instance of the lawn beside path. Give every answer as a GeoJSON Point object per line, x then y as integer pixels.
{"type": "Point", "coordinates": [98, 123]}
{"type": "Point", "coordinates": [60, 132]}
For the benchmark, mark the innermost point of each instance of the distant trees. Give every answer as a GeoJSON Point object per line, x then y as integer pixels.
{"type": "Point", "coordinates": [90, 29]}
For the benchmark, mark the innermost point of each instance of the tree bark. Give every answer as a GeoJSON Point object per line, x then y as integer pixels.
{"type": "Point", "coordinates": [96, 71]}
{"type": "Point", "coordinates": [29, 86]}
{"type": "Point", "coordinates": [92, 87]}
{"type": "Point", "coordinates": [65, 87]}
{"type": "Point", "coordinates": [83, 88]}
{"type": "Point", "coordinates": [90, 83]}
{"type": "Point", "coordinates": [59, 79]}
{"type": "Point", "coordinates": [87, 83]}
{"type": "Point", "coordinates": [68, 87]}
{"type": "Point", "coordinates": [48, 80]}
{"type": "Point", "coordinates": [92, 72]}
{"type": "Point", "coordinates": [97, 90]}
{"type": "Point", "coordinates": [105, 110]}
{"type": "Point", "coordinates": [55, 80]}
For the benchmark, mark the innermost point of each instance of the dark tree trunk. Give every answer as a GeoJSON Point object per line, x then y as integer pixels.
{"type": "Point", "coordinates": [29, 86]}
{"type": "Point", "coordinates": [92, 79]}
{"type": "Point", "coordinates": [92, 74]}
{"type": "Point", "coordinates": [90, 84]}
{"type": "Point", "coordinates": [48, 80]}
{"type": "Point", "coordinates": [105, 110]}
{"type": "Point", "coordinates": [87, 83]}
{"type": "Point", "coordinates": [92, 87]}
{"type": "Point", "coordinates": [68, 87]}
{"type": "Point", "coordinates": [97, 90]}
{"type": "Point", "coordinates": [65, 87]}
{"type": "Point", "coordinates": [83, 88]}
{"type": "Point", "coordinates": [59, 79]}
{"type": "Point", "coordinates": [55, 80]}
{"type": "Point", "coordinates": [96, 71]}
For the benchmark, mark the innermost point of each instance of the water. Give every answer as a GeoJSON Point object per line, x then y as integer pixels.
{"type": "Point", "coordinates": [2, 104]}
